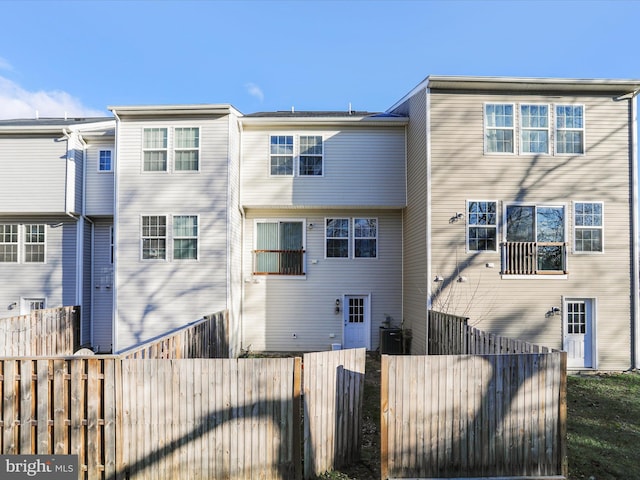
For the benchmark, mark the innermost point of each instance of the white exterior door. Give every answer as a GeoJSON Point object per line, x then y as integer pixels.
{"type": "Point", "coordinates": [357, 321]}
{"type": "Point", "coordinates": [579, 333]}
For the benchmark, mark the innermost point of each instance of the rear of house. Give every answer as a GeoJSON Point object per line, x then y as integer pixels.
{"type": "Point", "coordinates": [322, 194]}
{"type": "Point", "coordinates": [528, 193]}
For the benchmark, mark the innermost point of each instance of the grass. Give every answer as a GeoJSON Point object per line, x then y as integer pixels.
{"type": "Point", "coordinates": [603, 427]}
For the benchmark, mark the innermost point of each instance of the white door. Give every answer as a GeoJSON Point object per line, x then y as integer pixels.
{"type": "Point", "coordinates": [357, 321]}
{"type": "Point", "coordinates": [578, 333]}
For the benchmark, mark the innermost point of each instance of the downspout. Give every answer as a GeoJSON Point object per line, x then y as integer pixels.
{"type": "Point", "coordinates": [83, 341]}
{"type": "Point", "coordinates": [635, 281]}
{"type": "Point", "coordinates": [428, 211]}
{"type": "Point", "coordinates": [242, 235]}
{"type": "Point", "coordinates": [114, 314]}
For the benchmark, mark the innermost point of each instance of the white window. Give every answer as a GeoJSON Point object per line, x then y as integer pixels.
{"type": "Point", "coordinates": [303, 154]}
{"type": "Point", "coordinates": [187, 149]}
{"type": "Point", "coordinates": [34, 243]}
{"type": "Point", "coordinates": [30, 304]}
{"type": "Point", "coordinates": [104, 161]}
{"type": "Point", "coordinates": [154, 237]}
{"type": "Point", "coordinates": [279, 247]}
{"type": "Point", "coordinates": [588, 226]}
{"type": "Point", "coordinates": [8, 243]}
{"type": "Point", "coordinates": [534, 129]}
{"type": "Point", "coordinates": [569, 129]}
{"type": "Point", "coordinates": [154, 150]}
{"type": "Point", "coordinates": [337, 238]}
{"type": "Point", "coordinates": [365, 237]}
{"type": "Point", "coordinates": [185, 237]}
{"type": "Point", "coordinates": [498, 128]}
{"type": "Point", "coordinates": [482, 226]}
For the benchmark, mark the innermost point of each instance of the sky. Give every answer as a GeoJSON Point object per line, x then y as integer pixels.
{"type": "Point", "coordinates": [79, 57]}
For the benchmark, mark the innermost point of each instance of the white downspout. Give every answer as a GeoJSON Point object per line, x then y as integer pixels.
{"type": "Point", "coordinates": [116, 182]}
{"type": "Point", "coordinates": [428, 213]}
{"type": "Point", "coordinates": [635, 281]}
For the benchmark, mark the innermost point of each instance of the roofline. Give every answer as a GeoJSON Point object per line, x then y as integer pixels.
{"type": "Point", "coordinates": [193, 109]}
{"type": "Point", "coordinates": [298, 121]}
{"type": "Point", "coordinates": [56, 129]}
{"type": "Point", "coordinates": [544, 84]}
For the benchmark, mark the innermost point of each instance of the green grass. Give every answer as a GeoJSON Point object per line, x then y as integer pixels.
{"type": "Point", "coordinates": [603, 426]}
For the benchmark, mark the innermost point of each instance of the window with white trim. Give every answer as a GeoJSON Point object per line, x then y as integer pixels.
{"type": "Point", "coordinates": [34, 243]}
{"type": "Point", "coordinates": [569, 129]}
{"type": "Point", "coordinates": [8, 243]}
{"type": "Point", "coordinates": [279, 247]}
{"type": "Point", "coordinates": [281, 155]}
{"type": "Point", "coordinates": [185, 237]}
{"type": "Point", "coordinates": [588, 226]}
{"type": "Point", "coordinates": [498, 128]}
{"type": "Point", "coordinates": [186, 149]}
{"type": "Point", "coordinates": [534, 129]}
{"type": "Point", "coordinates": [301, 155]}
{"type": "Point", "coordinates": [365, 237]}
{"type": "Point", "coordinates": [154, 149]}
{"type": "Point", "coordinates": [154, 237]}
{"type": "Point", "coordinates": [337, 238]}
{"type": "Point", "coordinates": [310, 155]}
{"type": "Point", "coordinates": [104, 161]}
{"type": "Point", "coordinates": [482, 226]}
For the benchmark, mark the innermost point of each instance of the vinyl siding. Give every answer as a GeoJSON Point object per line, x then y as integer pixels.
{"type": "Point", "coordinates": [156, 296]}
{"type": "Point", "coordinates": [235, 239]}
{"type": "Point", "coordinates": [33, 172]}
{"type": "Point", "coordinates": [415, 260]}
{"type": "Point", "coordinates": [362, 166]}
{"type": "Point", "coordinates": [518, 308]}
{"type": "Point", "coordinates": [87, 307]}
{"type": "Point", "coordinates": [100, 187]}
{"type": "Point", "coordinates": [277, 307]}
{"type": "Point", "coordinates": [54, 280]}
{"type": "Point", "coordinates": [102, 283]}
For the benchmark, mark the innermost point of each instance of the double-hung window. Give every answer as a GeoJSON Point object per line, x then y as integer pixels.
{"type": "Point", "coordinates": [482, 226]}
{"type": "Point", "coordinates": [498, 128]}
{"type": "Point", "coordinates": [185, 237]}
{"type": "Point", "coordinates": [154, 150]}
{"type": "Point", "coordinates": [279, 247]}
{"type": "Point", "coordinates": [34, 243]}
{"type": "Point", "coordinates": [365, 237]}
{"type": "Point", "coordinates": [154, 237]}
{"type": "Point", "coordinates": [569, 129]}
{"type": "Point", "coordinates": [337, 237]}
{"type": "Point", "coordinates": [8, 243]}
{"type": "Point", "coordinates": [310, 155]}
{"type": "Point", "coordinates": [303, 154]}
{"type": "Point", "coordinates": [588, 226]}
{"type": "Point", "coordinates": [355, 237]}
{"type": "Point", "coordinates": [281, 155]}
{"type": "Point", "coordinates": [534, 129]}
{"type": "Point", "coordinates": [186, 149]}
{"type": "Point", "coordinates": [104, 161]}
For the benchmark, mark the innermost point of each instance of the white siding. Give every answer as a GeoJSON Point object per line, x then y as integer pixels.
{"type": "Point", "coordinates": [235, 239]}
{"type": "Point", "coordinates": [100, 188]}
{"type": "Point", "coordinates": [156, 296]}
{"type": "Point", "coordinates": [277, 307]}
{"type": "Point", "coordinates": [362, 166]}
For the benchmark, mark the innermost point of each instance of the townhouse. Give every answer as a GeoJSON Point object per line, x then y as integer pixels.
{"type": "Point", "coordinates": [511, 201]}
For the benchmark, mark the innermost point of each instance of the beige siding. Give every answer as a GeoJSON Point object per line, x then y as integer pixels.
{"type": "Point", "coordinates": [415, 260]}
{"type": "Point", "coordinates": [362, 166]}
{"type": "Point", "coordinates": [34, 173]}
{"type": "Point", "coordinates": [518, 307]}
{"type": "Point", "coordinates": [156, 296]}
{"type": "Point", "coordinates": [100, 188]}
{"type": "Point", "coordinates": [276, 307]}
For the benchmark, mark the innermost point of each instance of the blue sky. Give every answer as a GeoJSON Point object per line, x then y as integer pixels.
{"type": "Point", "coordinates": [81, 56]}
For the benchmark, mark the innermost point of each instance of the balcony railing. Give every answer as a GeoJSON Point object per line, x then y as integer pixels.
{"type": "Point", "coordinates": [278, 262]}
{"type": "Point", "coordinates": [534, 258]}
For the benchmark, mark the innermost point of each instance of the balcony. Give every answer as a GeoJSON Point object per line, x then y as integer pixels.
{"type": "Point", "coordinates": [534, 258]}
{"type": "Point", "coordinates": [278, 262]}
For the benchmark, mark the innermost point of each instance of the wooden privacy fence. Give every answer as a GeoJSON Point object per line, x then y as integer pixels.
{"type": "Point", "coordinates": [47, 332]}
{"type": "Point", "coordinates": [473, 416]}
{"type": "Point", "coordinates": [451, 335]}
{"type": "Point", "coordinates": [131, 418]}
{"type": "Point", "coordinates": [205, 338]}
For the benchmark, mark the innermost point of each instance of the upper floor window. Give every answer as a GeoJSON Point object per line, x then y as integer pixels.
{"type": "Point", "coordinates": [482, 226]}
{"type": "Point", "coordinates": [365, 238]}
{"type": "Point", "coordinates": [104, 161]}
{"type": "Point", "coordinates": [588, 226]}
{"type": "Point", "coordinates": [498, 128]}
{"type": "Point", "coordinates": [279, 247]}
{"type": "Point", "coordinates": [303, 154]}
{"type": "Point", "coordinates": [9, 243]}
{"type": "Point", "coordinates": [154, 237]}
{"type": "Point", "coordinates": [534, 123]}
{"type": "Point", "coordinates": [186, 149]}
{"type": "Point", "coordinates": [34, 243]}
{"type": "Point", "coordinates": [337, 237]}
{"type": "Point", "coordinates": [185, 237]}
{"type": "Point", "coordinates": [569, 129]}
{"type": "Point", "coordinates": [154, 147]}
